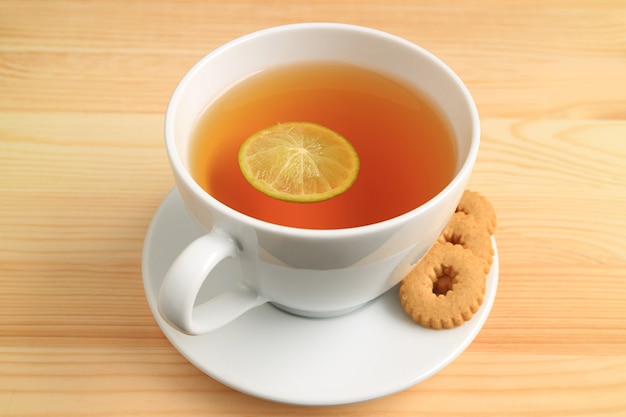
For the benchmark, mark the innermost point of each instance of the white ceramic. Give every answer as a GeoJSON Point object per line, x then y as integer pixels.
{"type": "Point", "coordinates": [315, 273]}
{"type": "Point", "coordinates": [372, 352]}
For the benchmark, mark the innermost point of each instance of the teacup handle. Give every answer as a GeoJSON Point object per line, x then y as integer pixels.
{"type": "Point", "coordinates": [185, 277]}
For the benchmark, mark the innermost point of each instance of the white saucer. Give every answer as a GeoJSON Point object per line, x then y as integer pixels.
{"type": "Point", "coordinates": [268, 353]}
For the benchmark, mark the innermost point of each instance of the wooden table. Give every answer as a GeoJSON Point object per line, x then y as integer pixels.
{"type": "Point", "coordinates": [83, 91]}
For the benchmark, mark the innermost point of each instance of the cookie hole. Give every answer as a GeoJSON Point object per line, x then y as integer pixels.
{"type": "Point", "coordinates": [454, 238]}
{"type": "Point", "coordinates": [445, 278]}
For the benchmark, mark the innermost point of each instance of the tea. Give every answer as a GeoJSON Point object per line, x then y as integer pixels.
{"type": "Point", "coordinates": [405, 144]}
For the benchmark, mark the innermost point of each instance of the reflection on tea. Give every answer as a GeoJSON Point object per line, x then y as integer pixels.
{"type": "Point", "coordinates": [405, 144]}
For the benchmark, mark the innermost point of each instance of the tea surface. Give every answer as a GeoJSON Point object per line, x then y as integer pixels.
{"type": "Point", "coordinates": [404, 142]}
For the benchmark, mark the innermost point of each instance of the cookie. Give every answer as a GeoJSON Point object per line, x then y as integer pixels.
{"type": "Point", "coordinates": [478, 206]}
{"type": "Point", "coordinates": [464, 230]}
{"type": "Point", "coordinates": [445, 288]}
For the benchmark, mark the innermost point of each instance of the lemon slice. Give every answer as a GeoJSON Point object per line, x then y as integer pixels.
{"type": "Point", "coordinates": [299, 162]}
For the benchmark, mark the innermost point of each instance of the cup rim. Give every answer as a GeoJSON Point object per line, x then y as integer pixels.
{"type": "Point", "coordinates": [461, 175]}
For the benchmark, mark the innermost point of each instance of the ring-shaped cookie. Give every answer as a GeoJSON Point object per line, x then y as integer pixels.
{"type": "Point", "coordinates": [462, 229]}
{"type": "Point", "coordinates": [478, 206]}
{"type": "Point", "coordinates": [447, 262]}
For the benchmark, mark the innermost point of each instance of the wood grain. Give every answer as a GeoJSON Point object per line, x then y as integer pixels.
{"type": "Point", "coordinates": [83, 90]}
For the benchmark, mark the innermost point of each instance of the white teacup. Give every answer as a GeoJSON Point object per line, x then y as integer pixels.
{"type": "Point", "coordinates": [314, 273]}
